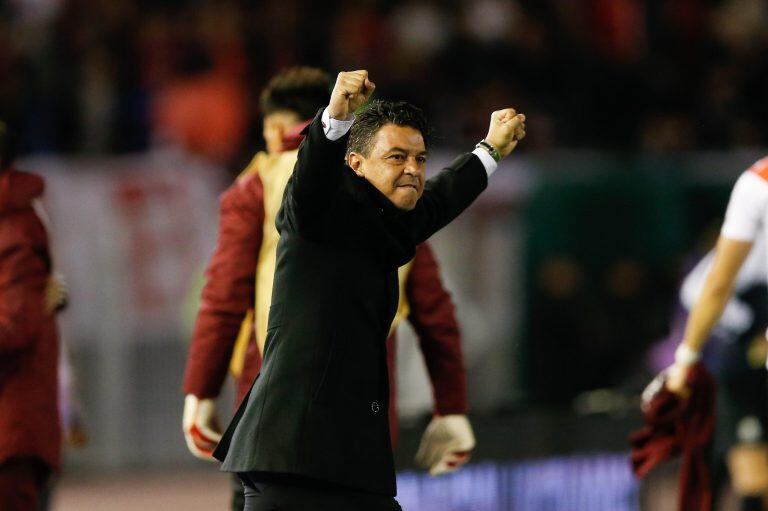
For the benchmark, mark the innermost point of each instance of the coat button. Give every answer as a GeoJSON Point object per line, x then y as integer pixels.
{"type": "Point", "coordinates": [375, 407]}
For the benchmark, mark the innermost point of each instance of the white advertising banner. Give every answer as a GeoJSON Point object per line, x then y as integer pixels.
{"type": "Point", "coordinates": [130, 235]}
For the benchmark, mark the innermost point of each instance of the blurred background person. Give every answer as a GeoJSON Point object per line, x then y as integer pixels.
{"type": "Point", "coordinates": [30, 435]}
{"type": "Point", "coordinates": [739, 250]}
{"type": "Point", "coordinates": [739, 361]}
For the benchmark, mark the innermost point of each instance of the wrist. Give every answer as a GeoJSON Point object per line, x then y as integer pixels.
{"type": "Point", "coordinates": [490, 148]}
{"type": "Point", "coordinates": [335, 128]}
{"type": "Point", "coordinates": [338, 112]}
{"type": "Point", "coordinates": [686, 356]}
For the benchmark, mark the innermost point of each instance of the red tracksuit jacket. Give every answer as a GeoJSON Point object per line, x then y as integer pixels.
{"type": "Point", "coordinates": [29, 417]}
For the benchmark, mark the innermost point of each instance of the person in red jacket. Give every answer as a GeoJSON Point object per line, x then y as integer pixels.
{"type": "Point", "coordinates": [29, 419]}
{"type": "Point", "coordinates": [238, 281]}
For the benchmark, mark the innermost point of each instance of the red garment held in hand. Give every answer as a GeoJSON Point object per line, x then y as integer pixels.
{"type": "Point", "coordinates": [676, 426]}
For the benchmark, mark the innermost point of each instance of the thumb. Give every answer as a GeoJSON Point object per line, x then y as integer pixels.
{"type": "Point", "coordinates": [369, 88]}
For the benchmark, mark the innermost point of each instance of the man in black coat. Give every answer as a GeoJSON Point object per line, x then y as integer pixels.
{"type": "Point", "coordinates": [313, 432]}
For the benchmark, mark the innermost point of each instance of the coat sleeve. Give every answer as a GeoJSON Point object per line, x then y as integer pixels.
{"type": "Point", "coordinates": [229, 288]}
{"type": "Point", "coordinates": [448, 194]}
{"type": "Point", "coordinates": [315, 178]}
{"type": "Point", "coordinates": [434, 320]}
{"type": "Point", "coordinates": [23, 278]}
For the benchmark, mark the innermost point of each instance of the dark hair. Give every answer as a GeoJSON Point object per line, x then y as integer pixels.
{"type": "Point", "coordinates": [379, 113]}
{"type": "Point", "coordinates": [7, 147]}
{"type": "Point", "coordinates": [303, 90]}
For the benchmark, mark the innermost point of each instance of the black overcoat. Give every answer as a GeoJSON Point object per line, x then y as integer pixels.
{"type": "Point", "coordinates": [318, 409]}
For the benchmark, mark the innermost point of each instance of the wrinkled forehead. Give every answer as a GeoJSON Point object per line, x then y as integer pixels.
{"type": "Point", "coordinates": [391, 137]}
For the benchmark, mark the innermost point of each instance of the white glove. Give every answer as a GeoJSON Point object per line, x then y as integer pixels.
{"type": "Point", "coordinates": [446, 444]}
{"type": "Point", "coordinates": [201, 426]}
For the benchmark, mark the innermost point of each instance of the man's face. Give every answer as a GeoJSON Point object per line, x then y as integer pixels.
{"type": "Point", "coordinates": [396, 164]}
{"type": "Point", "coordinates": [275, 127]}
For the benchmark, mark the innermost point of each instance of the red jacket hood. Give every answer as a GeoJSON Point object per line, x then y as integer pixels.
{"type": "Point", "coordinates": [18, 189]}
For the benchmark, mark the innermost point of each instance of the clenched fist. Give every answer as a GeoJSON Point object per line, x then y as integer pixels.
{"type": "Point", "coordinates": [506, 130]}
{"type": "Point", "coordinates": [352, 90]}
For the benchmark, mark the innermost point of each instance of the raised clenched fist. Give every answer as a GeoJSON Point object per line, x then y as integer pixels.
{"type": "Point", "coordinates": [352, 90]}
{"type": "Point", "coordinates": [506, 130]}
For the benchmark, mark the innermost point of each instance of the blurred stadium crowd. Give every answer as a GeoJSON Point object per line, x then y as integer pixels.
{"type": "Point", "coordinates": [113, 76]}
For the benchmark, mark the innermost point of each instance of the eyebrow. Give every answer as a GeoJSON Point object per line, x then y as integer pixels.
{"type": "Point", "coordinates": [401, 150]}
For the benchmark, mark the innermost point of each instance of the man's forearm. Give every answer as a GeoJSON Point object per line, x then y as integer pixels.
{"type": "Point", "coordinates": [737, 316]}
{"type": "Point", "coordinates": [434, 320]}
{"type": "Point", "coordinates": [448, 194]}
{"type": "Point", "coordinates": [213, 342]}
{"type": "Point", "coordinates": [718, 288]}
{"type": "Point", "coordinates": [321, 156]}
{"type": "Point", "coordinates": [320, 159]}
{"type": "Point", "coordinates": [714, 298]}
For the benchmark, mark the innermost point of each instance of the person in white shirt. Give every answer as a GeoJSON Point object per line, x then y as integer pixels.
{"type": "Point", "coordinates": [739, 362]}
{"type": "Point", "coordinates": [745, 223]}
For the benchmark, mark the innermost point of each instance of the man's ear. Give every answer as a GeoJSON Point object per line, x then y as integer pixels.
{"type": "Point", "coordinates": [355, 162]}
